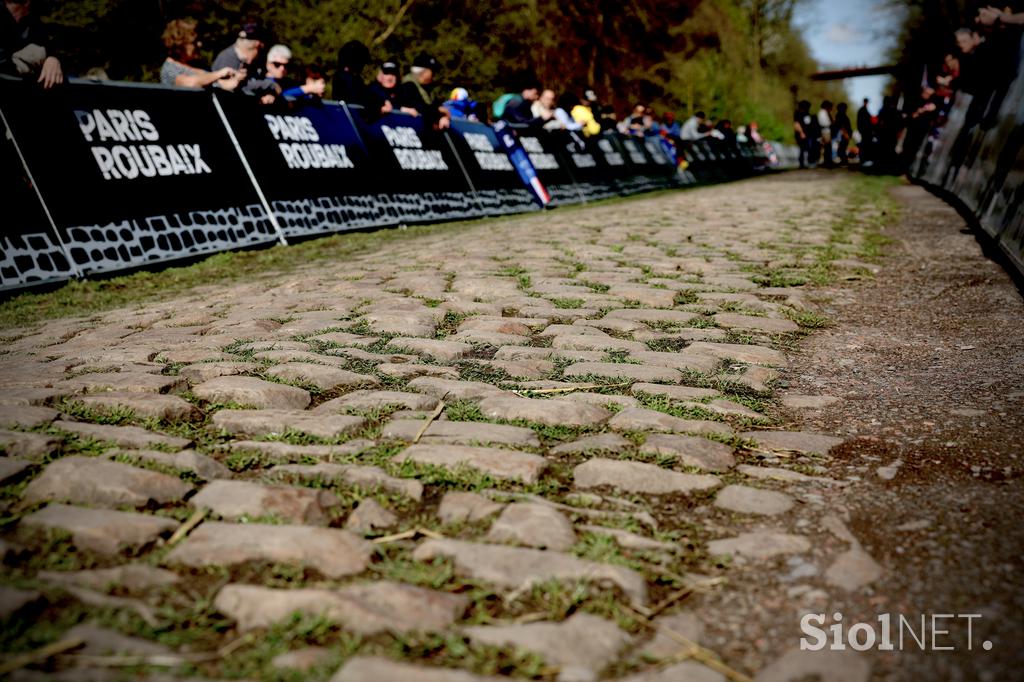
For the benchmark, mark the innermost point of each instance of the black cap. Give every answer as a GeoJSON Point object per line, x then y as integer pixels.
{"type": "Point", "coordinates": [251, 31]}
{"type": "Point", "coordinates": [425, 61]}
{"type": "Point", "coordinates": [390, 67]}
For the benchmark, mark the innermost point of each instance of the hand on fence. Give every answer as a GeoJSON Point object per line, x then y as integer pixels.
{"type": "Point", "coordinates": [51, 74]}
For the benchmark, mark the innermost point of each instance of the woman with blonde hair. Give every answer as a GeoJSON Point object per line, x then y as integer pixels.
{"type": "Point", "coordinates": [182, 44]}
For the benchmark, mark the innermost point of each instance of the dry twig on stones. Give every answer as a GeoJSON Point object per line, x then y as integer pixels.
{"type": "Point", "coordinates": [186, 528]}
{"type": "Point", "coordinates": [40, 654]}
{"type": "Point", "coordinates": [691, 649]}
{"type": "Point", "coordinates": [430, 420]}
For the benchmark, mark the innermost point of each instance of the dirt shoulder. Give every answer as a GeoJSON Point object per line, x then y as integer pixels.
{"type": "Point", "coordinates": [928, 360]}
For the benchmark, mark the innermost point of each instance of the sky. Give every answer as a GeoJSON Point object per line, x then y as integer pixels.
{"type": "Point", "coordinates": [844, 33]}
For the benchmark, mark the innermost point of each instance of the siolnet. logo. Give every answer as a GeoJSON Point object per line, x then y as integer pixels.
{"type": "Point", "coordinates": [892, 632]}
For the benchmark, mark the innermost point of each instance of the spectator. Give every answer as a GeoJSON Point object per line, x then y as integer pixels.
{"type": "Point", "coordinates": [584, 115]}
{"type": "Point", "coordinates": [561, 118]}
{"type": "Point", "coordinates": [635, 121]}
{"type": "Point", "coordinates": [725, 131]}
{"type": "Point", "coordinates": [240, 55]}
{"type": "Point", "coordinates": [864, 119]}
{"type": "Point", "coordinates": [271, 80]}
{"type": "Point", "coordinates": [946, 81]}
{"type": "Point", "coordinates": [842, 131]}
{"type": "Point", "coordinates": [415, 94]}
{"type": "Point", "coordinates": [865, 128]}
{"type": "Point", "coordinates": [460, 105]}
{"type": "Point", "coordinates": [182, 45]}
{"type": "Point", "coordinates": [691, 127]}
{"type": "Point", "coordinates": [640, 121]}
{"type": "Point", "coordinates": [25, 48]}
{"type": "Point", "coordinates": [754, 133]}
{"type": "Point", "coordinates": [992, 16]}
{"type": "Point", "coordinates": [825, 131]}
{"type": "Point", "coordinates": [278, 59]}
{"type": "Point", "coordinates": [348, 80]}
{"type": "Point", "coordinates": [314, 87]}
{"type": "Point", "coordinates": [806, 133]}
{"type": "Point", "coordinates": [921, 123]}
{"type": "Point", "coordinates": [519, 108]}
{"type": "Point", "coordinates": [668, 126]}
{"type": "Point", "coordinates": [890, 125]}
{"type": "Point", "coordinates": [544, 107]}
{"type": "Point", "coordinates": [606, 117]}
{"type": "Point", "coordinates": [385, 87]}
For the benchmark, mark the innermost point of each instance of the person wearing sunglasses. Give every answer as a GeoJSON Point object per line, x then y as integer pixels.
{"type": "Point", "coordinates": [274, 78]}
{"type": "Point", "coordinates": [278, 59]}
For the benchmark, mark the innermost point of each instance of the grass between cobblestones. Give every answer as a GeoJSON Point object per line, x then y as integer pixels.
{"type": "Point", "coordinates": [188, 618]}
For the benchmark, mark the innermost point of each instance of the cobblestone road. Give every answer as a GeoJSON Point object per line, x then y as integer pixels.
{"type": "Point", "coordinates": [541, 447]}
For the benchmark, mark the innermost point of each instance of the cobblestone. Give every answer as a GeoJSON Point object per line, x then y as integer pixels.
{"type": "Point", "coordinates": [594, 366]}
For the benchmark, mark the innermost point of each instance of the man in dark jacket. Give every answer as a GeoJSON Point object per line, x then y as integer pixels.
{"type": "Point", "coordinates": [415, 94]}
{"type": "Point", "coordinates": [519, 108]}
{"type": "Point", "coordinates": [385, 88]}
{"type": "Point", "coordinates": [24, 45]}
{"type": "Point", "coordinates": [348, 77]}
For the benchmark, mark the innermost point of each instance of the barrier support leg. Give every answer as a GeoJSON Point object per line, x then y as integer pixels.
{"type": "Point", "coordinates": [248, 170]}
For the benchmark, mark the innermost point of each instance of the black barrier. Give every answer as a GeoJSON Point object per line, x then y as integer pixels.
{"type": "Point", "coordinates": [594, 164]}
{"type": "Point", "coordinates": [553, 171]}
{"type": "Point", "coordinates": [650, 167]}
{"type": "Point", "coordinates": [418, 175]}
{"type": "Point", "coordinates": [493, 178]}
{"type": "Point", "coordinates": [108, 177]}
{"type": "Point", "coordinates": [979, 161]}
{"type": "Point", "coordinates": [310, 163]}
{"type": "Point", "coordinates": [134, 175]}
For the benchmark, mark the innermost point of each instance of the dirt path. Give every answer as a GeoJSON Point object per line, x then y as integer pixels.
{"type": "Point", "coordinates": [928, 359]}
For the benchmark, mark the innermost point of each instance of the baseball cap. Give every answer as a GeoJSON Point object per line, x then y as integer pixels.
{"type": "Point", "coordinates": [426, 61]}
{"type": "Point", "coordinates": [390, 67]}
{"type": "Point", "coordinates": [251, 30]}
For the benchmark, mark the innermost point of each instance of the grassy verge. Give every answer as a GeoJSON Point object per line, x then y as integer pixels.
{"type": "Point", "coordinates": [79, 297]}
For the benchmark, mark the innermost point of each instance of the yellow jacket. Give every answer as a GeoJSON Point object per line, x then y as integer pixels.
{"type": "Point", "coordinates": [583, 114]}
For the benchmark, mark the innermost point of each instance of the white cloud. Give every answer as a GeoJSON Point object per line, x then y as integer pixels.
{"type": "Point", "coordinates": [843, 34]}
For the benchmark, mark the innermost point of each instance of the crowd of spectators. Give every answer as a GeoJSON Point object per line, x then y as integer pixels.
{"type": "Point", "coordinates": [254, 66]}
{"type": "Point", "coordinates": [250, 67]}
{"type": "Point", "coordinates": [983, 64]}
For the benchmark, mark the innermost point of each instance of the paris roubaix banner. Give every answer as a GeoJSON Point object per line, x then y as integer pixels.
{"type": "Point", "coordinates": [496, 174]}
{"type": "Point", "coordinates": [627, 164]}
{"type": "Point", "coordinates": [542, 148]}
{"type": "Point", "coordinates": [416, 174]}
{"type": "Point", "coordinates": [133, 174]}
{"type": "Point", "coordinates": [310, 163]}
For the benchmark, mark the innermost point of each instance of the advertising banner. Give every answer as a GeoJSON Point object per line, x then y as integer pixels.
{"type": "Point", "coordinates": [594, 163]}
{"type": "Point", "coordinates": [500, 176]}
{"type": "Point", "coordinates": [310, 162]}
{"type": "Point", "coordinates": [416, 176]}
{"type": "Point", "coordinates": [542, 148]}
{"type": "Point", "coordinates": [134, 174]}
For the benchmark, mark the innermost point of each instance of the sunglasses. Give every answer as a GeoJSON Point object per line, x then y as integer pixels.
{"type": "Point", "coordinates": [279, 65]}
